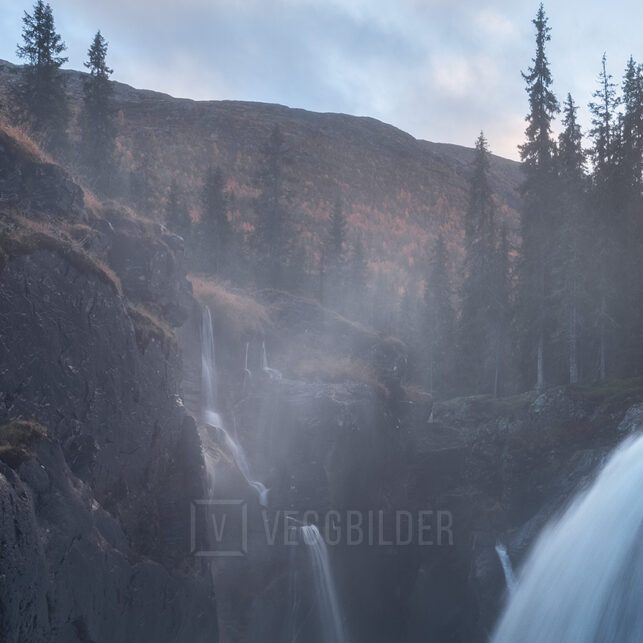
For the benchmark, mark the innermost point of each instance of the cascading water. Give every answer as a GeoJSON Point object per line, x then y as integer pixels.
{"type": "Point", "coordinates": [325, 592]}
{"type": "Point", "coordinates": [507, 569]}
{"type": "Point", "coordinates": [273, 373]}
{"type": "Point", "coordinates": [583, 581]}
{"type": "Point", "coordinates": [211, 416]}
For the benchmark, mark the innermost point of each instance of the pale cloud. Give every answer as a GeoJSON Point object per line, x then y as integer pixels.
{"type": "Point", "coordinates": [454, 75]}
{"type": "Point", "coordinates": [439, 69]}
{"type": "Point", "coordinates": [495, 24]}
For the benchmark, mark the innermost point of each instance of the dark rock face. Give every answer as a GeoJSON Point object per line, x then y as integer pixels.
{"type": "Point", "coordinates": [95, 523]}
{"type": "Point", "coordinates": [149, 263]}
{"type": "Point", "coordinates": [526, 457]}
{"type": "Point", "coordinates": [317, 447]}
{"type": "Point", "coordinates": [113, 408]}
{"type": "Point", "coordinates": [35, 185]}
{"type": "Point", "coordinates": [115, 413]}
{"type": "Point", "coordinates": [500, 468]}
{"type": "Point", "coordinates": [69, 574]}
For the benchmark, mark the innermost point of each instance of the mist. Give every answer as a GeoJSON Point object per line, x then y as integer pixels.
{"type": "Point", "coordinates": [277, 375]}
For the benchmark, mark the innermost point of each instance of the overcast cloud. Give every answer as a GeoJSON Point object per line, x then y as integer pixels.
{"type": "Point", "coordinates": [439, 70]}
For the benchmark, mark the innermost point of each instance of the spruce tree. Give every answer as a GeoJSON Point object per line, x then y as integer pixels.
{"type": "Point", "coordinates": [571, 251]}
{"type": "Point", "coordinates": [630, 187]}
{"type": "Point", "coordinates": [215, 234]}
{"type": "Point", "coordinates": [477, 327]}
{"type": "Point", "coordinates": [272, 232]}
{"type": "Point", "coordinates": [337, 235]}
{"type": "Point", "coordinates": [631, 157]}
{"type": "Point", "coordinates": [333, 257]}
{"type": "Point", "coordinates": [538, 222]}
{"type": "Point", "coordinates": [97, 124]}
{"type": "Point", "coordinates": [177, 217]}
{"type": "Point", "coordinates": [41, 94]}
{"type": "Point", "coordinates": [501, 312]}
{"type": "Point", "coordinates": [353, 301]}
{"type": "Point", "coordinates": [439, 323]}
{"type": "Point", "coordinates": [605, 197]}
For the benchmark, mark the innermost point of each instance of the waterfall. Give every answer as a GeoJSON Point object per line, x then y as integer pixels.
{"type": "Point", "coordinates": [246, 370]}
{"type": "Point", "coordinates": [247, 373]}
{"type": "Point", "coordinates": [325, 592]}
{"type": "Point", "coordinates": [583, 581]}
{"type": "Point", "coordinates": [209, 384]}
{"type": "Point", "coordinates": [273, 373]}
{"type": "Point", "coordinates": [211, 416]}
{"type": "Point", "coordinates": [264, 357]}
{"type": "Point", "coordinates": [507, 569]}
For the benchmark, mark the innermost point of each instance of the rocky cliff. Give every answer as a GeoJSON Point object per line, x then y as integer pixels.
{"type": "Point", "coordinates": [95, 526]}
{"type": "Point", "coordinates": [101, 456]}
{"type": "Point", "coordinates": [499, 469]}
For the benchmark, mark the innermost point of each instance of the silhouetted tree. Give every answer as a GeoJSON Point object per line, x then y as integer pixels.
{"type": "Point", "coordinates": [571, 249]}
{"type": "Point", "coordinates": [439, 323]}
{"type": "Point", "coordinates": [272, 233]}
{"type": "Point", "coordinates": [604, 152]}
{"type": "Point", "coordinates": [97, 124]}
{"type": "Point", "coordinates": [177, 217]}
{"type": "Point", "coordinates": [41, 94]}
{"type": "Point", "coordinates": [333, 257]}
{"type": "Point", "coordinates": [477, 327]}
{"type": "Point", "coordinates": [501, 313]}
{"type": "Point", "coordinates": [538, 220]}
{"type": "Point", "coordinates": [630, 186]}
{"type": "Point", "coordinates": [214, 229]}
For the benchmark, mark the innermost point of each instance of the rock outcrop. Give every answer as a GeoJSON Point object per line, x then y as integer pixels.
{"type": "Point", "coordinates": [499, 469]}
{"type": "Point", "coordinates": [100, 460]}
{"type": "Point", "coordinates": [96, 515]}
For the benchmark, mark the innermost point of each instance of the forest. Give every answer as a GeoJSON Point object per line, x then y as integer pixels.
{"type": "Point", "coordinates": [559, 300]}
{"type": "Point", "coordinates": [270, 374]}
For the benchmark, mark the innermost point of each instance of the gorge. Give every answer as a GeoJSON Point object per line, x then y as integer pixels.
{"type": "Point", "coordinates": [138, 398]}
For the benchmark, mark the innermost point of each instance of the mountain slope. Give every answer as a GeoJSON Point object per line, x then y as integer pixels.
{"type": "Point", "coordinates": [399, 191]}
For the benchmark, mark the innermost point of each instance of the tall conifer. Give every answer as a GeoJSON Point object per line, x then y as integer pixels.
{"type": "Point", "coordinates": [41, 94]}
{"type": "Point", "coordinates": [97, 124]}
{"type": "Point", "coordinates": [538, 221]}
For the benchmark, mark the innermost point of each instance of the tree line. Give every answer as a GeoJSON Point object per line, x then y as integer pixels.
{"type": "Point", "coordinates": [271, 257]}
{"type": "Point", "coordinates": [568, 308]}
{"type": "Point", "coordinates": [561, 302]}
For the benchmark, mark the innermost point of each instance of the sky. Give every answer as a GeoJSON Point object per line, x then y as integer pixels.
{"type": "Point", "coordinates": [440, 70]}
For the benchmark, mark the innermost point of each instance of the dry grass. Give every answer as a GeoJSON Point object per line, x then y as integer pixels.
{"type": "Point", "coordinates": [92, 202]}
{"type": "Point", "coordinates": [28, 147]}
{"type": "Point", "coordinates": [28, 236]}
{"type": "Point", "coordinates": [149, 326]}
{"type": "Point", "coordinates": [239, 314]}
{"type": "Point", "coordinates": [327, 367]}
{"type": "Point", "coordinates": [414, 393]}
{"type": "Point", "coordinates": [24, 142]}
{"type": "Point", "coordinates": [17, 439]}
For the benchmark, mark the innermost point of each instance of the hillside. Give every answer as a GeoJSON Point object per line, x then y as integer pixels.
{"type": "Point", "coordinates": [399, 191]}
{"type": "Point", "coordinates": [103, 455]}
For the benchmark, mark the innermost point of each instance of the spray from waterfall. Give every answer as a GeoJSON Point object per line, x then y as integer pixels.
{"type": "Point", "coordinates": [211, 415]}
{"type": "Point", "coordinates": [583, 580]}
{"type": "Point", "coordinates": [507, 569]}
{"type": "Point", "coordinates": [325, 592]}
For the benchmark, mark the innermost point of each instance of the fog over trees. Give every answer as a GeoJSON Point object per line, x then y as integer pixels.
{"type": "Point", "coordinates": [559, 302]}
